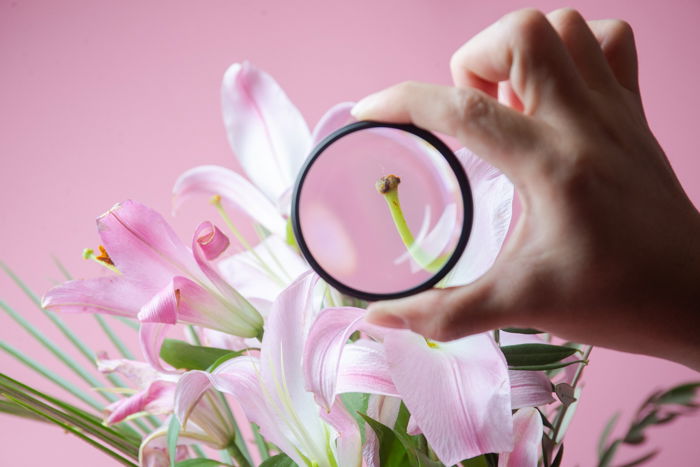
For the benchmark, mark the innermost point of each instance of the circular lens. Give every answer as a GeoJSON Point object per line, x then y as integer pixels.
{"type": "Point", "coordinates": [382, 210]}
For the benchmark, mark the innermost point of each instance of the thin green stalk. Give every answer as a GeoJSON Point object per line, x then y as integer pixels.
{"type": "Point", "coordinates": [198, 451]}
{"type": "Point", "coordinates": [77, 433]}
{"type": "Point", "coordinates": [236, 429]}
{"type": "Point", "coordinates": [50, 375]}
{"type": "Point", "coordinates": [54, 349]}
{"type": "Point", "coordinates": [129, 322]}
{"type": "Point", "coordinates": [122, 431]}
{"type": "Point", "coordinates": [107, 436]}
{"type": "Point", "coordinates": [574, 381]}
{"type": "Point", "coordinates": [238, 456]}
{"type": "Point", "coordinates": [388, 187]}
{"type": "Point", "coordinates": [123, 349]}
{"type": "Point", "coordinates": [216, 201]}
{"type": "Point", "coordinates": [260, 442]}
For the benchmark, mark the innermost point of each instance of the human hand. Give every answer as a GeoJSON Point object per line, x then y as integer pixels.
{"type": "Point", "coordinates": [607, 248]}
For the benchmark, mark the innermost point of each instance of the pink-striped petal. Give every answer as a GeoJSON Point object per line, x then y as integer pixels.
{"type": "Point", "coordinates": [363, 368]}
{"type": "Point", "coordinates": [457, 391]}
{"type": "Point", "coordinates": [241, 318]}
{"type": "Point", "coordinates": [336, 117]}
{"type": "Point", "coordinates": [266, 131]}
{"type": "Point", "coordinates": [184, 301]}
{"type": "Point", "coordinates": [527, 430]}
{"type": "Point", "coordinates": [143, 246]}
{"type": "Point", "coordinates": [529, 389]}
{"type": "Point", "coordinates": [212, 241]}
{"type": "Point", "coordinates": [348, 442]}
{"type": "Point", "coordinates": [151, 336]}
{"type": "Point", "coordinates": [211, 180]}
{"type": "Point", "coordinates": [157, 398]}
{"type": "Point", "coordinates": [113, 295]}
{"type": "Point", "coordinates": [493, 200]}
{"type": "Point", "coordinates": [325, 344]}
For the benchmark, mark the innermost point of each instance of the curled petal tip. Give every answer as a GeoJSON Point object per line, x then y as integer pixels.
{"type": "Point", "coordinates": [211, 239]}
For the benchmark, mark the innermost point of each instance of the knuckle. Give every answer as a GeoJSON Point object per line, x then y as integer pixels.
{"type": "Point", "coordinates": [472, 107]}
{"type": "Point", "coordinates": [405, 88]}
{"type": "Point", "coordinates": [528, 25]}
{"type": "Point", "coordinates": [566, 20]}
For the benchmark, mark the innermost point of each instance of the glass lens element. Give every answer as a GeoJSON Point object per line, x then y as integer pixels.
{"type": "Point", "coordinates": [380, 210]}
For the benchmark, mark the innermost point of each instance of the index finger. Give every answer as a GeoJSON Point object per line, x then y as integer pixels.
{"type": "Point", "coordinates": [524, 49]}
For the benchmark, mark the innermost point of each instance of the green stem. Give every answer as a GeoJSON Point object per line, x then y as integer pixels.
{"type": "Point", "coordinates": [123, 349]}
{"type": "Point", "coordinates": [107, 436]}
{"type": "Point", "coordinates": [260, 442]}
{"type": "Point", "coordinates": [216, 201]}
{"type": "Point", "coordinates": [54, 349]}
{"type": "Point", "coordinates": [50, 375]}
{"type": "Point", "coordinates": [388, 187]}
{"type": "Point", "coordinates": [237, 455]}
{"type": "Point", "coordinates": [79, 434]}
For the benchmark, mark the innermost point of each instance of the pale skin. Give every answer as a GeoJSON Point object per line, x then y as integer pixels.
{"type": "Point", "coordinates": [607, 248]}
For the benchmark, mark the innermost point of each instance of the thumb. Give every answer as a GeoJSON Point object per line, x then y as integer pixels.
{"type": "Point", "coordinates": [443, 314]}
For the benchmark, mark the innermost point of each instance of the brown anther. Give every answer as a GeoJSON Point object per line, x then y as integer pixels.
{"type": "Point", "coordinates": [104, 256]}
{"type": "Point", "coordinates": [386, 184]}
{"type": "Point", "coordinates": [177, 296]}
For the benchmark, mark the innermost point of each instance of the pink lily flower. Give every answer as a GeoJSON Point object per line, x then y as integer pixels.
{"type": "Point", "coordinates": [160, 281]}
{"type": "Point", "coordinates": [270, 388]}
{"type": "Point", "coordinates": [155, 394]}
{"type": "Point", "coordinates": [459, 393]}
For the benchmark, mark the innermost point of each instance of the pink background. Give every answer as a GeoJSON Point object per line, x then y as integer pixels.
{"type": "Point", "coordinates": [101, 103]}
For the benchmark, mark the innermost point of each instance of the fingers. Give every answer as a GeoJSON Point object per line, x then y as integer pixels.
{"type": "Point", "coordinates": [439, 314]}
{"type": "Point", "coordinates": [522, 48]}
{"type": "Point", "coordinates": [617, 42]}
{"type": "Point", "coordinates": [583, 47]}
{"type": "Point", "coordinates": [497, 133]}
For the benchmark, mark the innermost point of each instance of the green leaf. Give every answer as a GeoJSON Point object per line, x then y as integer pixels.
{"type": "Point", "coordinates": [609, 453]}
{"type": "Point", "coordinates": [605, 435]}
{"type": "Point", "coordinates": [392, 452]}
{"type": "Point", "coordinates": [683, 394]}
{"type": "Point", "coordinates": [224, 358]}
{"type": "Point", "coordinates": [535, 354]}
{"type": "Point", "coordinates": [635, 435]}
{"type": "Point", "coordinates": [641, 460]}
{"type": "Point", "coordinates": [280, 460]}
{"type": "Point", "coordinates": [182, 355]}
{"type": "Point", "coordinates": [173, 435]}
{"type": "Point", "coordinates": [356, 403]}
{"type": "Point", "coordinates": [479, 461]}
{"type": "Point", "coordinates": [560, 455]}
{"type": "Point", "coordinates": [198, 462]}
{"type": "Point", "coordinates": [523, 330]}
{"type": "Point", "coordinates": [550, 366]}
{"type": "Point", "coordinates": [397, 448]}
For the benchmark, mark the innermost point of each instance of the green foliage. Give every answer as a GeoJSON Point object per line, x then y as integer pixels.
{"type": "Point", "coordinates": [525, 356]}
{"type": "Point", "coordinates": [356, 403]}
{"type": "Point", "coordinates": [396, 447]}
{"type": "Point", "coordinates": [660, 408]}
{"type": "Point", "coordinates": [172, 436]}
{"type": "Point", "coordinates": [280, 460]}
{"type": "Point", "coordinates": [198, 462]}
{"type": "Point", "coordinates": [182, 355]}
{"type": "Point", "coordinates": [523, 330]}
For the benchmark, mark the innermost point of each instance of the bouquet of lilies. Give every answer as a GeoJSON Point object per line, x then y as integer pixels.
{"type": "Point", "coordinates": [246, 351]}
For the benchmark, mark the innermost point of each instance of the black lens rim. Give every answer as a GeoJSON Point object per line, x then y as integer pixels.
{"type": "Point", "coordinates": [462, 180]}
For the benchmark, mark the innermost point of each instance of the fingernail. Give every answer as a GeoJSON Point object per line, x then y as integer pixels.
{"type": "Point", "coordinates": [364, 107]}
{"type": "Point", "coordinates": [388, 320]}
